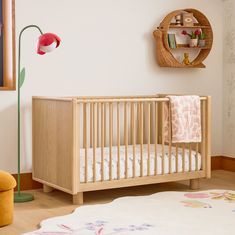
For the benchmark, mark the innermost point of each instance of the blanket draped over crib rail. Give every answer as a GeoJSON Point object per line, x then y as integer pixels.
{"type": "Point", "coordinates": [183, 119]}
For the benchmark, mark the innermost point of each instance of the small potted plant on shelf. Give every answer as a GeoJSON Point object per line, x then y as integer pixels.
{"type": "Point", "coordinates": [202, 41]}
{"type": "Point", "coordinates": [193, 42]}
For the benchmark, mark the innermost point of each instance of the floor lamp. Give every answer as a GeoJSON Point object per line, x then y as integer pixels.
{"type": "Point", "coordinates": [46, 43]}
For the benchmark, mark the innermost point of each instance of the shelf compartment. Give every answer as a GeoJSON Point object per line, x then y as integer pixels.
{"type": "Point", "coordinates": [185, 46]}
{"type": "Point", "coordinates": [173, 26]}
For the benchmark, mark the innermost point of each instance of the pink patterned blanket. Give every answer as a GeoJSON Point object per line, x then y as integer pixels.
{"type": "Point", "coordinates": [184, 123]}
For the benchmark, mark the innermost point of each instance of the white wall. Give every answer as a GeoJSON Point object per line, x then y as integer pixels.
{"type": "Point", "coordinates": [229, 79]}
{"type": "Point", "coordinates": [107, 49]}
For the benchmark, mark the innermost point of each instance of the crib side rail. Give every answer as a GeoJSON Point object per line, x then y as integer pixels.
{"type": "Point", "coordinates": [55, 142]}
{"type": "Point", "coordinates": [120, 122]}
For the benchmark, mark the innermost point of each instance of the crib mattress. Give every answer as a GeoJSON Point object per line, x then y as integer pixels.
{"type": "Point", "coordinates": [195, 164]}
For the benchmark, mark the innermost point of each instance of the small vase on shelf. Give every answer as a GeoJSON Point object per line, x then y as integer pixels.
{"type": "Point", "coordinates": [202, 43]}
{"type": "Point", "coordinates": [193, 42]}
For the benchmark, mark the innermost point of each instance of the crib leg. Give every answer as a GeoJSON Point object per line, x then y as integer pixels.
{"type": "Point", "coordinates": [78, 198]}
{"type": "Point", "coordinates": [195, 184]}
{"type": "Point", "coordinates": [47, 189]}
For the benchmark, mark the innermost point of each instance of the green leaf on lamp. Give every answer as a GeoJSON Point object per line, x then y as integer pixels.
{"type": "Point", "coordinates": [22, 77]}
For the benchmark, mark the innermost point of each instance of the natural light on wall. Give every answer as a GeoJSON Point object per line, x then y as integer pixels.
{"type": "Point", "coordinates": [229, 78]}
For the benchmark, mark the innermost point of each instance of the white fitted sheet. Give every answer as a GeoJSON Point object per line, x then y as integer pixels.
{"type": "Point", "coordinates": [137, 161]}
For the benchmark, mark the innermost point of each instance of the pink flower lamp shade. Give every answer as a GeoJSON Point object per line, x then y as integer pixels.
{"type": "Point", "coordinates": [46, 43]}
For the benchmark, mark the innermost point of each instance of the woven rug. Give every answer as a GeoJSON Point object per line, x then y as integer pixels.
{"type": "Point", "coordinates": [165, 213]}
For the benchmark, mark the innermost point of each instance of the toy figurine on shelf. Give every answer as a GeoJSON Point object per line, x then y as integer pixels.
{"type": "Point", "coordinates": [186, 59]}
{"type": "Point", "coordinates": [178, 20]}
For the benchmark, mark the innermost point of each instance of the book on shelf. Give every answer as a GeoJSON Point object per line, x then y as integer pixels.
{"type": "Point", "coordinates": [172, 41]}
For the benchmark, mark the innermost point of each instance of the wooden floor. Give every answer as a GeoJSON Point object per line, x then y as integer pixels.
{"type": "Point", "coordinates": [28, 215]}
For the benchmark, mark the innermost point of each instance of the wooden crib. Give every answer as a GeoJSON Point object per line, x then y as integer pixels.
{"type": "Point", "coordinates": [91, 143]}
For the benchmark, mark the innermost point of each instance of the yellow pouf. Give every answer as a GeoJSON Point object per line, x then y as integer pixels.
{"type": "Point", "coordinates": [7, 185]}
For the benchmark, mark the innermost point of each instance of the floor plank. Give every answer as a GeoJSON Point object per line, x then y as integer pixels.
{"type": "Point", "coordinates": [27, 216]}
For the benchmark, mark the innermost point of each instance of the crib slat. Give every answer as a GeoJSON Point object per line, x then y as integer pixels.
{"type": "Point", "coordinates": [141, 139]}
{"type": "Point", "coordinates": [183, 157]}
{"type": "Point", "coordinates": [126, 139]}
{"type": "Point", "coordinates": [91, 123]}
{"type": "Point", "coordinates": [169, 145]}
{"type": "Point", "coordinates": [84, 125]}
{"type": "Point", "coordinates": [197, 164]}
{"type": "Point", "coordinates": [170, 158]}
{"type": "Point", "coordinates": [118, 139]}
{"type": "Point", "coordinates": [201, 143]}
{"type": "Point", "coordinates": [139, 121]}
{"type": "Point", "coordinates": [190, 157]}
{"type": "Point", "coordinates": [156, 136]}
{"type": "Point", "coordinates": [110, 140]}
{"type": "Point", "coordinates": [85, 137]}
{"type": "Point", "coordinates": [163, 139]}
{"type": "Point", "coordinates": [133, 137]}
{"type": "Point", "coordinates": [177, 158]}
{"type": "Point", "coordinates": [102, 141]}
{"type": "Point", "coordinates": [98, 125]}
{"type": "Point", "coordinates": [148, 135]}
{"type": "Point", "coordinates": [76, 162]}
{"type": "Point", "coordinates": [94, 142]}
{"type": "Point", "coordinates": [105, 123]}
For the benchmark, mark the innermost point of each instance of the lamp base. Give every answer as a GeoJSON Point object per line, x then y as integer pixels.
{"type": "Point", "coordinates": [23, 197]}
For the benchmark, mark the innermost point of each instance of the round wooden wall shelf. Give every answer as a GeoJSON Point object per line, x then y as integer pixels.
{"type": "Point", "coordinates": [165, 55]}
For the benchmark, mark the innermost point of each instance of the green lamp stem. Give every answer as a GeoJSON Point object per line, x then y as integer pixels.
{"type": "Point", "coordinates": [18, 196]}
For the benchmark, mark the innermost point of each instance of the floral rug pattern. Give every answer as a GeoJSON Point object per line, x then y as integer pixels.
{"type": "Point", "coordinates": [97, 228]}
{"type": "Point", "coordinates": [162, 213]}
{"type": "Point", "coordinates": [224, 195]}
